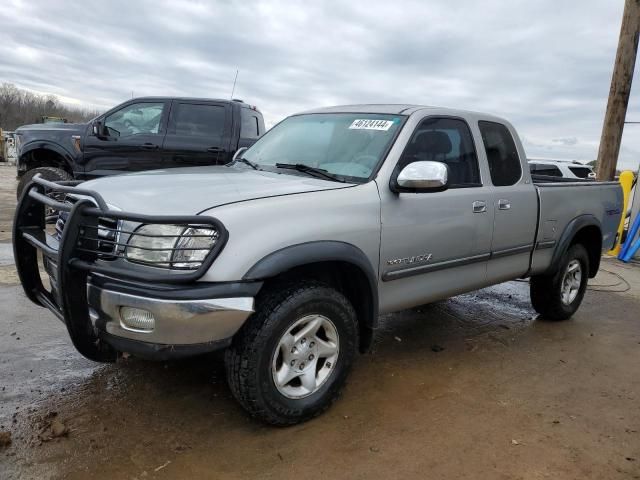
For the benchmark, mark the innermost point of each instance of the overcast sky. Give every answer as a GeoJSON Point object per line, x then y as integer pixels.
{"type": "Point", "coordinates": [545, 64]}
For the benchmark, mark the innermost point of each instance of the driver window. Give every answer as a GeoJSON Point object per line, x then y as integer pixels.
{"type": "Point", "coordinates": [446, 140]}
{"type": "Point", "coordinates": [134, 119]}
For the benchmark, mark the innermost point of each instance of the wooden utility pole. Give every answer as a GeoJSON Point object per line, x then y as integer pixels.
{"type": "Point", "coordinates": [619, 92]}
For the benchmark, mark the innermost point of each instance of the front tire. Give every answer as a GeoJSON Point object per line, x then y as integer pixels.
{"type": "Point", "coordinates": [290, 361]}
{"type": "Point", "coordinates": [48, 173]}
{"type": "Point", "coordinates": [558, 296]}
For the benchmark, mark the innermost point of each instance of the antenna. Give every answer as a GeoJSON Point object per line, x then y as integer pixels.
{"type": "Point", "coordinates": [234, 84]}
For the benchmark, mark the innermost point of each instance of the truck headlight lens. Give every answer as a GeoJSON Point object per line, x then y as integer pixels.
{"type": "Point", "coordinates": [171, 246]}
{"type": "Point", "coordinates": [193, 246]}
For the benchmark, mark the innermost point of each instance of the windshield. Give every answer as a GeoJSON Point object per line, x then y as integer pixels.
{"type": "Point", "coordinates": [346, 145]}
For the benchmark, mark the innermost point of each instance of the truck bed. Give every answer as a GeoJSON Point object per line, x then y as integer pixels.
{"type": "Point", "coordinates": [562, 204]}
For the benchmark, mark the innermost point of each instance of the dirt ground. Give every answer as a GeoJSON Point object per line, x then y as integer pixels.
{"type": "Point", "coordinates": [8, 185]}
{"type": "Point", "coordinates": [473, 387]}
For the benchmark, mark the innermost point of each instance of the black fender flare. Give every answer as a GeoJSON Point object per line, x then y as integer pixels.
{"type": "Point", "coordinates": [51, 146]}
{"type": "Point", "coordinates": [316, 252]}
{"type": "Point", "coordinates": [567, 236]}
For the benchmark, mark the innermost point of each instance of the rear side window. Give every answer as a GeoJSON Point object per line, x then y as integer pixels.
{"type": "Point", "coordinates": [446, 140]}
{"type": "Point", "coordinates": [199, 120]}
{"type": "Point", "coordinates": [581, 172]}
{"type": "Point", "coordinates": [502, 155]}
{"type": "Point", "coordinates": [249, 125]}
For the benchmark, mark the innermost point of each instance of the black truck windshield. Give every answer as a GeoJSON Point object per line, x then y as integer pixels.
{"type": "Point", "coordinates": [345, 145]}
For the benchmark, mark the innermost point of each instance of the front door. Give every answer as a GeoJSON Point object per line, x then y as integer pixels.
{"type": "Point", "coordinates": [199, 133]}
{"type": "Point", "coordinates": [515, 205]}
{"type": "Point", "coordinates": [436, 244]}
{"type": "Point", "coordinates": [134, 140]}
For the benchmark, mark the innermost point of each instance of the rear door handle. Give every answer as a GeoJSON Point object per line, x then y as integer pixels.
{"type": "Point", "coordinates": [215, 150]}
{"type": "Point", "coordinates": [504, 204]}
{"type": "Point", "coordinates": [479, 206]}
{"type": "Point", "coordinates": [150, 146]}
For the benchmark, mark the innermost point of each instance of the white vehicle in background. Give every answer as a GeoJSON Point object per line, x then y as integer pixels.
{"type": "Point", "coordinates": [561, 168]}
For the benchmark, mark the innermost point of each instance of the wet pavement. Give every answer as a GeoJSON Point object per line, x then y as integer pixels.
{"type": "Point", "coordinates": [472, 387]}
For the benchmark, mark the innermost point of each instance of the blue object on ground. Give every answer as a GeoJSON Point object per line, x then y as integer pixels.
{"type": "Point", "coordinates": [630, 247]}
{"type": "Point", "coordinates": [631, 251]}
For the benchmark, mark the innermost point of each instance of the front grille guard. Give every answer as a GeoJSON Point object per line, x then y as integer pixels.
{"type": "Point", "coordinates": [78, 253]}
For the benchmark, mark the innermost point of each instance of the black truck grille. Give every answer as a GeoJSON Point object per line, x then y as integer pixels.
{"type": "Point", "coordinates": [107, 233]}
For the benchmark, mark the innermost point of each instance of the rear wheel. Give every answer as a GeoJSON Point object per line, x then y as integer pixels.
{"type": "Point", "coordinates": [48, 173]}
{"type": "Point", "coordinates": [558, 296]}
{"type": "Point", "coordinates": [290, 360]}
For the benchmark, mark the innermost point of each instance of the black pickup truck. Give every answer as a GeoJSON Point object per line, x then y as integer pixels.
{"type": "Point", "coordinates": [140, 134]}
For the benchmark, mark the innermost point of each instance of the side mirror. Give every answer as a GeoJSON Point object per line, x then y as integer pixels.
{"type": "Point", "coordinates": [239, 152]}
{"type": "Point", "coordinates": [422, 177]}
{"type": "Point", "coordinates": [99, 130]}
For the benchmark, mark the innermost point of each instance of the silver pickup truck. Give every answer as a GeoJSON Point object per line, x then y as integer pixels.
{"type": "Point", "coordinates": [287, 256]}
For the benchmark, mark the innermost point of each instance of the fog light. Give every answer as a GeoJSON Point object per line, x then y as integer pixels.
{"type": "Point", "coordinates": [137, 319]}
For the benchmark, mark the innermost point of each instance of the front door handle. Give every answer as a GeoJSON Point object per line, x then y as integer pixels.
{"type": "Point", "coordinates": [479, 206]}
{"type": "Point", "coordinates": [504, 204]}
{"type": "Point", "coordinates": [150, 146]}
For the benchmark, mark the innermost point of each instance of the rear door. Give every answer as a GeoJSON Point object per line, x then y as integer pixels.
{"type": "Point", "coordinates": [514, 201]}
{"type": "Point", "coordinates": [136, 131]}
{"type": "Point", "coordinates": [199, 133]}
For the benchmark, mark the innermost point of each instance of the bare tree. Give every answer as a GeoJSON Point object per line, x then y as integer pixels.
{"type": "Point", "coordinates": [20, 107]}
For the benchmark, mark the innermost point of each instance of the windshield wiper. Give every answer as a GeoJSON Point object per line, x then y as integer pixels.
{"type": "Point", "coordinates": [248, 162]}
{"type": "Point", "coordinates": [313, 171]}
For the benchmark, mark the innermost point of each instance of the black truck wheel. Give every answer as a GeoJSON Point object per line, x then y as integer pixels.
{"type": "Point", "coordinates": [48, 173]}
{"type": "Point", "coordinates": [558, 296]}
{"type": "Point", "coordinates": [290, 360]}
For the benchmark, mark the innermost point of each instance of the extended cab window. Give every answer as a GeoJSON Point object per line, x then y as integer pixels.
{"type": "Point", "coordinates": [502, 155]}
{"type": "Point", "coordinates": [199, 120]}
{"type": "Point", "coordinates": [446, 140]}
{"type": "Point", "coordinates": [249, 127]}
{"type": "Point", "coordinates": [135, 118]}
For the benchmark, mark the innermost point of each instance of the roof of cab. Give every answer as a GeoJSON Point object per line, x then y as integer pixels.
{"type": "Point", "coordinates": [395, 109]}
{"type": "Point", "coordinates": [236, 101]}
{"type": "Point", "coordinates": [399, 108]}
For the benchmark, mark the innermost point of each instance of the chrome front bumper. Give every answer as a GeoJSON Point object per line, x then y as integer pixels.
{"type": "Point", "coordinates": [175, 322]}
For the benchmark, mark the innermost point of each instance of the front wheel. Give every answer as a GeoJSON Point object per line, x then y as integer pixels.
{"type": "Point", "coordinates": [558, 296]}
{"type": "Point", "coordinates": [48, 173]}
{"type": "Point", "coordinates": [291, 359]}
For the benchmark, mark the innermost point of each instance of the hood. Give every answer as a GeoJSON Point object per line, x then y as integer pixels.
{"type": "Point", "coordinates": [189, 191]}
{"type": "Point", "coordinates": [63, 127]}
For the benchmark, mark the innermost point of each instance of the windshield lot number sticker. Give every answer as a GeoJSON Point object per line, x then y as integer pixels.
{"type": "Point", "coordinates": [368, 124]}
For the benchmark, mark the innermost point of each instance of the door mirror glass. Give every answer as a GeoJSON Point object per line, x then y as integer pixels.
{"type": "Point", "coordinates": [239, 152]}
{"type": "Point", "coordinates": [425, 176]}
{"type": "Point", "coordinates": [98, 129]}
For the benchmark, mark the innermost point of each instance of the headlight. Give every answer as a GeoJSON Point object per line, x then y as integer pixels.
{"type": "Point", "coordinates": [193, 246]}
{"type": "Point", "coordinates": [173, 246]}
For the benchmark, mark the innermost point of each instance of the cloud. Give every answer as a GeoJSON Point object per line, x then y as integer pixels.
{"type": "Point", "coordinates": [566, 141]}
{"type": "Point", "coordinates": [544, 65]}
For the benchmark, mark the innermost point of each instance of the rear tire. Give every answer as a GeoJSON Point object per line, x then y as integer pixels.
{"type": "Point", "coordinates": [558, 296]}
{"type": "Point", "coordinates": [290, 361]}
{"type": "Point", "coordinates": [48, 173]}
